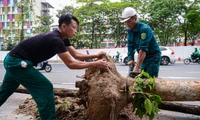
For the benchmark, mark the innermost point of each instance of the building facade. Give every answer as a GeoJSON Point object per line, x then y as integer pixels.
{"type": "Point", "coordinates": [11, 14]}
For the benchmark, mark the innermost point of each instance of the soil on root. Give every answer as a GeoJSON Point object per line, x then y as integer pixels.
{"type": "Point", "coordinates": [67, 108]}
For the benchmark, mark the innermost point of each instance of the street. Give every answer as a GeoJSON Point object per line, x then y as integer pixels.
{"type": "Point", "coordinates": [62, 76]}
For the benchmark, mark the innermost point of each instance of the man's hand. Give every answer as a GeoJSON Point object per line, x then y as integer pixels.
{"type": "Point", "coordinates": [131, 62]}
{"type": "Point", "coordinates": [101, 64]}
{"type": "Point", "coordinates": [136, 70]}
{"type": "Point", "coordinates": [101, 54]}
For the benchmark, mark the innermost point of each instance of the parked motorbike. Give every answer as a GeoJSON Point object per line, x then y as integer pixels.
{"type": "Point", "coordinates": [189, 60]}
{"type": "Point", "coordinates": [44, 66]}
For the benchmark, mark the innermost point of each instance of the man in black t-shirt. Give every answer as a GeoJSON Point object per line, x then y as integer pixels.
{"type": "Point", "coordinates": [20, 61]}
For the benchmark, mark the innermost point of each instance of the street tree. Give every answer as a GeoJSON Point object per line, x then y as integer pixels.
{"type": "Point", "coordinates": [173, 18]}
{"type": "Point", "coordinates": [43, 24]}
{"type": "Point", "coordinates": [67, 9]}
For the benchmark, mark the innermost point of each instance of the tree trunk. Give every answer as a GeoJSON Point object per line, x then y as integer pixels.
{"type": "Point", "coordinates": [180, 107]}
{"type": "Point", "coordinates": [57, 91]}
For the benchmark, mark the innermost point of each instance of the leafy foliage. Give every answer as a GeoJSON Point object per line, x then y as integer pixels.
{"type": "Point", "coordinates": [169, 19]}
{"type": "Point", "coordinates": [145, 103]}
{"type": "Point", "coordinates": [44, 23]}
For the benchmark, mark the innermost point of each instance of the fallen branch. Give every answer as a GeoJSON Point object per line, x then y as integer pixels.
{"type": "Point", "coordinates": [180, 107]}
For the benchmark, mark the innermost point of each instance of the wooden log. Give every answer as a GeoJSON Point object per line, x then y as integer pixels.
{"type": "Point", "coordinates": [180, 107]}
{"type": "Point", "coordinates": [178, 90]}
{"type": "Point", "coordinates": [166, 105]}
{"type": "Point", "coordinates": [57, 91]}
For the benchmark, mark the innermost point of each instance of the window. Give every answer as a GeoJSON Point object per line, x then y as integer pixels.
{"type": "Point", "coordinates": [13, 24]}
{"type": "Point", "coordinates": [1, 2]}
{"type": "Point", "coordinates": [13, 9]}
{"type": "Point", "coordinates": [162, 49]}
{"type": "Point", "coordinates": [15, 1]}
{"type": "Point", "coordinates": [3, 24]}
{"type": "Point", "coordinates": [1, 39]}
{"type": "Point", "coordinates": [9, 10]}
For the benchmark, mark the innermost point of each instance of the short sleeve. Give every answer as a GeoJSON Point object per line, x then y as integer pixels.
{"type": "Point", "coordinates": [145, 36]}
{"type": "Point", "coordinates": [58, 45]}
{"type": "Point", "coordinates": [67, 42]}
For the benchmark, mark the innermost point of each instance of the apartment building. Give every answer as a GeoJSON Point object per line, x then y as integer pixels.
{"type": "Point", "coordinates": [10, 13]}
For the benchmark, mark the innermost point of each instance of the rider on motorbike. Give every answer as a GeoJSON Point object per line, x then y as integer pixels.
{"type": "Point", "coordinates": [195, 54]}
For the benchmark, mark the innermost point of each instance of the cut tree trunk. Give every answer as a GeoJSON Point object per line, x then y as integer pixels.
{"type": "Point", "coordinates": [57, 91]}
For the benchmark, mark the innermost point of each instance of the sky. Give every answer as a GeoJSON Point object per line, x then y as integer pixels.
{"type": "Point", "coordinates": [59, 4]}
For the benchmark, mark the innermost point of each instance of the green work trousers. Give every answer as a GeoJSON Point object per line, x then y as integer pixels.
{"type": "Point", "coordinates": [151, 65]}
{"type": "Point", "coordinates": [19, 71]}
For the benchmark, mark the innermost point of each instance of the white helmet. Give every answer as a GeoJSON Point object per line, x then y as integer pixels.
{"type": "Point", "coordinates": [127, 13]}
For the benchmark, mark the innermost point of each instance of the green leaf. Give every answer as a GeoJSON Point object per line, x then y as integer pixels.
{"type": "Point", "coordinates": [137, 88]}
{"type": "Point", "coordinates": [148, 106]}
{"type": "Point", "coordinates": [150, 87]}
{"type": "Point", "coordinates": [139, 81]}
{"type": "Point", "coordinates": [143, 86]}
{"type": "Point", "coordinates": [145, 103]}
{"type": "Point", "coordinates": [139, 113]}
{"type": "Point", "coordinates": [157, 98]}
{"type": "Point", "coordinates": [151, 116]}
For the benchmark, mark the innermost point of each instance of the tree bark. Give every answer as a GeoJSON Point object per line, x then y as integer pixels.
{"type": "Point", "coordinates": [57, 91]}
{"type": "Point", "coordinates": [180, 107]}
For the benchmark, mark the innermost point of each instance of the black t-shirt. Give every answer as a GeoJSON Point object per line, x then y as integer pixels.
{"type": "Point", "coordinates": [40, 47]}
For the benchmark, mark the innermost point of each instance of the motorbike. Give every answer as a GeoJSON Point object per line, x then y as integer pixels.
{"type": "Point", "coordinates": [44, 66]}
{"type": "Point", "coordinates": [189, 60]}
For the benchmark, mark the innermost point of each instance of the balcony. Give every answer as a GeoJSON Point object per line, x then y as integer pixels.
{"type": "Point", "coordinates": [45, 8]}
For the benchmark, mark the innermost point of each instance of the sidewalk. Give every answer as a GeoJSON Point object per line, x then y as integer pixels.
{"type": "Point", "coordinates": [8, 108]}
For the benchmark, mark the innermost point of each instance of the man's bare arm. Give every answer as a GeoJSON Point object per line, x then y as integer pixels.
{"type": "Point", "coordinates": [141, 57]}
{"type": "Point", "coordinates": [74, 64]}
{"type": "Point", "coordinates": [80, 56]}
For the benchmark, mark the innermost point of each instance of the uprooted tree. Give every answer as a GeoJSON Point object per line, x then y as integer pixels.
{"type": "Point", "coordinates": [104, 92]}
